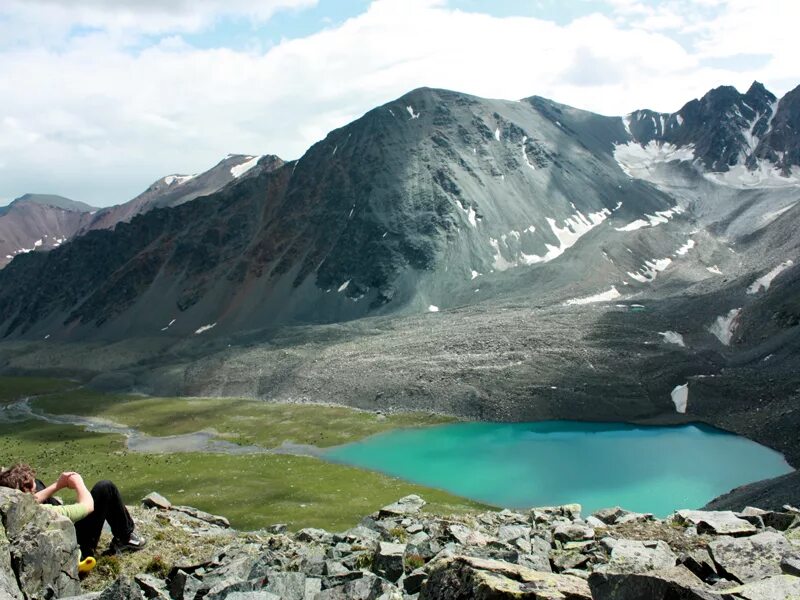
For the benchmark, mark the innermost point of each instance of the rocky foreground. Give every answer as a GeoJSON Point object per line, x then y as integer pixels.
{"type": "Point", "coordinates": [402, 553]}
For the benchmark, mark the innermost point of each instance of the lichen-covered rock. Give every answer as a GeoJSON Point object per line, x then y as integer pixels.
{"type": "Point", "coordinates": [752, 558]}
{"type": "Point", "coordinates": [633, 556]}
{"type": "Point", "coordinates": [677, 583]}
{"type": "Point", "coordinates": [469, 578]}
{"type": "Point", "coordinates": [408, 505]}
{"type": "Point", "coordinates": [720, 522]}
{"type": "Point", "coordinates": [38, 551]}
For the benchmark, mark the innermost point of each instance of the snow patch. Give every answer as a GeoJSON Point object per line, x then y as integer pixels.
{"type": "Point", "coordinates": [673, 337]}
{"type": "Point", "coordinates": [433, 308]}
{"type": "Point", "coordinates": [525, 154]}
{"type": "Point", "coordinates": [724, 327]}
{"type": "Point", "coordinates": [659, 218]}
{"type": "Point", "coordinates": [205, 328]}
{"type": "Point", "coordinates": [765, 175]}
{"type": "Point", "coordinates": [414, 115]}
{"type": "Point", "coordinates": [474, 274]}
{"type": "Point", "coordinates": [606, 296]}
{"type": "Point", "coordinates": [497, 134]}
{"type": "Point", "coordinates": [650, 270]}
{"type": "Point", "coordinates": [685, 248]}
{"type": "Point", "coordinates": [715, 270]}
{"type": "Point", "coordinates": [680, 397]}
{"type": "Point", "coordinates": [243, 168]}
{"type": "Point", "coordinates": [343, 287]}
{"type": "Point", "coordinates": [638, 161]}
{"type": "Point", "coordinates": [766, 280]}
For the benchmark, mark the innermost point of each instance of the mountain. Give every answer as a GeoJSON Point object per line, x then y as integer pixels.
{"type": "Point", "coordinates": [39, 222]}
{"type": "Point", "coordinates": [492, 259]}
{"type": "Point", "coordinates": [174, 190]}
{"type": "Point", "coordinates": [45, 221]}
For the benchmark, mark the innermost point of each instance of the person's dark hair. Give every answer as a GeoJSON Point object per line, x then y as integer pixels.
{"type": "Point", "coordinates": [19, 477]}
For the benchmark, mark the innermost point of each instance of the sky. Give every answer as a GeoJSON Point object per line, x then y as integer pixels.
{"type": "Point", "coordinates": [99, 98]}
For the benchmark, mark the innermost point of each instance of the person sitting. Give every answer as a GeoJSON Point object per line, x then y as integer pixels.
{"type": "Point", "coordinates": [93, 508]}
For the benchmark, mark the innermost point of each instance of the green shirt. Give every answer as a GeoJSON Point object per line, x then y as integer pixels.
{"type": "Point", "coordinates": [74, 512]}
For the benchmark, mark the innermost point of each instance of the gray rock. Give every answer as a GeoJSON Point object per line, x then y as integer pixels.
{"type": "Point", "coordinates": [633, 556]}
{"type": "Point", "coordinates": [408, 505]}
{"type": "Point", "coordinates": [776, 587]}
{"type": "Point", "coordinates": [609, 516]}
{"type": "Point", "coordinates": [468, 537]}
{"type": "Point", "coordinates": [564, 561]}
{"type": "Point", "coordinates": [388, 561]}
{"type": "Point", "coordinates": [278, 528]}
{"type": "Point", "coordinates": [313, 587]}
{"type": "Point", "coordinates": [254, 595]}
{"type": "Point", "coordinates": [508, 533]}
{"type": "Point", "coordinates": [287, 586]}
{"type": "Point", "coordinates": [677, 583]}
{"type": "Point", "coordinates": [572, 533]}
{"type": "Point", "coordinates": [333, 568]}
{"type": "Point", "coordinates": [536, 562]}
{"type": "Point", "coordinates": [414, 580]}
{"type": "Point", "coordinates": [414, 528]}
{"type": "Point", "coordinates": [156, 500]}
{"type": "Point", "coordinates": [722, 522]}
{"type": "Point", "coordinates": [751, 558]}
{"type": "Point", "coordinates": [152, 587]}
{"type": "Point", "coordinates": [548, 514]}
{"type": "Point", "coordinates": [700, 563]}
{"type": "Point", "coordinates": [201, 515]}
{"type": "Point", "coordinates": [38, 551]}
{"type": "Point", "coordinates": [123, 588]}
{"type": "Point", "coordinates": [312, 534]}
{"type": "Point", "coordinates": [594, 522]}
{"type": "Point", "coordinates": [634, 517]}
{"type": "Point", "coordinates": [368, 587]}
{"type": "Point", "coordinates": [463, 577]}
{"type": "Point", "coordinates": [791, 565]}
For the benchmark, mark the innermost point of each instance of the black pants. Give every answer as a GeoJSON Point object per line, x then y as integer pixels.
{"type": "Point", "coordinates": [108, 506]}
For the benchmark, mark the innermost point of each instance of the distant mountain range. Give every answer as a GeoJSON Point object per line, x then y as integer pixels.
{"type": "Point", "coordinates": [45, 221]}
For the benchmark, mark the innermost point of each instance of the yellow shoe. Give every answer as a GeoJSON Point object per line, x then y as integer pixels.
{"type": "Point", "coordinates": [86, 565]}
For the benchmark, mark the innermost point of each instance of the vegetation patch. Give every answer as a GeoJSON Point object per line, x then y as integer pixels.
{"type": "Point", "coordinates": [16, 388]}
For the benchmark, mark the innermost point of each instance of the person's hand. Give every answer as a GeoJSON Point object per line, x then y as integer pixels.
{"type": "Point", "coordinates": [72, 480]}
{"type": "Point", "coordinates": [63, 480]}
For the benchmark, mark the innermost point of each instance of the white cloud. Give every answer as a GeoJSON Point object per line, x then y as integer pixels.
{"type": "Point", "coordinates": [94, 120]}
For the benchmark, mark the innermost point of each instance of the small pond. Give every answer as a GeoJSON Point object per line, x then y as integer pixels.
{"type": "Point", "coordinates": [518, 465]}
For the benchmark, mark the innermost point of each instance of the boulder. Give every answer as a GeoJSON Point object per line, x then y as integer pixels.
{"type": "Point", "coordinates": [38, 551]}
{"type": "Point", "coordinates": [254, 595]}
{"type": "Point", "coordinates": [156, 500]}
{"type": "Point", "coordinates": [388, 562]}
{"type": "Point", "coordinates": [464, 577]}
{"type": "Point", "coordinates": [368, 587]}
{"type": "Point", "coordinates": [548, 514]}
{"type": "Point", "coordinates": [408, 505]}
{"type": "Point", "coordinates": [201, 515]}
{"type": "Point", "coordinates": [124, 587]}
{"type": "Point", "coordinates": [676, 583]}
{"type": "Point", "coordinates": [572, 532]}
{"type": "Point", "coordinates": [633, 556]}
{"type": "Point", "coordinates": [468, 537]}
{"type": "Point", "coordinates": [721, 522]}
{"type": "Point", "coordinates": [776, 587]}
{"type": "Point", "coordinates": [791, 565]}
{"type": "Point", "coordinates": [751, 558]}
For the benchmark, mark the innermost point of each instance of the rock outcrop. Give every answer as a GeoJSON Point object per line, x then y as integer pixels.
{"type": "Point", "coordinates": [402, 553]}
{"type": "Point", "coordinates": [38, 551]}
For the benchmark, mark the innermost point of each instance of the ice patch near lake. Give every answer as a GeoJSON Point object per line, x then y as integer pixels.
{"type": "Point", "coordinates": [606, 296]}
{"type": "Point", "coordinates": [725, 326]}
{"type": "Point", "coordinates": [433, 308]}
{"type": "Point", "coordinates": [765, 281]}
{"type": "Point", "coordinates": [680, 397]}
{"type": "Point", "coordinates": [673, 337]}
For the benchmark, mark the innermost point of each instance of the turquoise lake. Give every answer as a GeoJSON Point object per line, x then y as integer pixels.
{"type": "Point", "coordinates": [519, 465]}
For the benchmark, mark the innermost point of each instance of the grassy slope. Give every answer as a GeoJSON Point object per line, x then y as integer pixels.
{"type": "Point", "coordinates": [252, 491]}
{"type": "Point", "coordinates": [242, 421]}
{"type": "Point", "coordinates": [14, 388]}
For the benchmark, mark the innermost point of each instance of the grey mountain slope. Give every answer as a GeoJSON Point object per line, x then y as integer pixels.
{"type": "Point", "coordinates": [174, 190]}
{"type": "Point", "coordinates": [50, 200]}
{"type": "Point", "coordinates": [510, 218]}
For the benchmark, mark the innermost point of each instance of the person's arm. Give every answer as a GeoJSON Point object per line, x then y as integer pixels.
{"type": "Point", "coordinates": [84, 495]}
{"type": "Point", "coordinates": [61, 483]}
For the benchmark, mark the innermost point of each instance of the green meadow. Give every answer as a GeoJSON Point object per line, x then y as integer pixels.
{"type": "Point", "coordinates": [253, 491]}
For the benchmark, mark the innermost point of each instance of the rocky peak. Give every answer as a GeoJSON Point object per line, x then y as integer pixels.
{"type": "Point", "coordinates": [781, 144]}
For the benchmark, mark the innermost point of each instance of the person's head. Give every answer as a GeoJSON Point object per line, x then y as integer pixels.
{"type": "Point", "coordinates": [20, 477]}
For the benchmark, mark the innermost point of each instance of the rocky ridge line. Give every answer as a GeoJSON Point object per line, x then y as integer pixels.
{"type": "Point", "coordinates": [401, 553]}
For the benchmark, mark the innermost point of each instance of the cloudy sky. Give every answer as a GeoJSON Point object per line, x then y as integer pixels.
{"type": "Point", "coordinates": [98, 98]}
